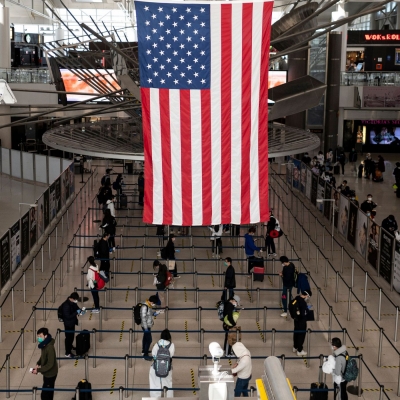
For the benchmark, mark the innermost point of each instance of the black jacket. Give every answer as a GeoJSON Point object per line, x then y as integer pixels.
{"type": "Point", "coordinates": [229, 308]}
{"type": "Point", "coordinates": [70, 315]}
{"type": "Point", "coordinates": [302, 308]}
{"type": "Point", "coordinates": [230, 280]}
{"type": "Point", "coordinates": [367, 206]}
{"type": "Point", "coordinates": [271, 224]}
{"type": "Point", "coordinates": [288, 275]}
{"type": "Point", "coordinates": [170, 248]}
{"type": "Point", "coordinates": [109, 225]}
{"type": "Point", "coordinates": [103, 249]}
{"type": "Point", "coordinates": [161, 276]}
{"type": "Point", "coordinates": [396, 173]}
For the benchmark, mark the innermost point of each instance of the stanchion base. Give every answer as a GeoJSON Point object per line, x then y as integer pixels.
{"type": "Point", "coordinates": [353, 390]}
{"type": "Point", "coordinates": [84, 299]}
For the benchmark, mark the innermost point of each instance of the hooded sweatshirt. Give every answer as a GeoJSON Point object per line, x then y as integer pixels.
{"type": "Point", "coordinates": [244, 367]}
{"type": "Point", "coordinates": [110, 206]}
{"type": "Point", "coordinates": [340, 361]}
{"type": "Point", "coordinates": [47, 362]}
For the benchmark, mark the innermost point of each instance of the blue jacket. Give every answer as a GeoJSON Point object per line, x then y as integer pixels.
{"type": "Point", "coordinates": [249, 246]}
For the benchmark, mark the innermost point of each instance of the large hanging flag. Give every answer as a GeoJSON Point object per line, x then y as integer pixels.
{"type": "Point", "coordinates": [204, 85]}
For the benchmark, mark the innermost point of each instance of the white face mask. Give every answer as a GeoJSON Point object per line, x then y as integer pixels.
{"type": "Point", "coordinates": [369, 198]}
{"type": "Point", "coordinates": [75, 301]}
{"type": "Point", "coordinates": [333, 348]}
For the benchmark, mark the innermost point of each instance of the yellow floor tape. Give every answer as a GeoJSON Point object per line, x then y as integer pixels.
{"type": "Point", "coordinates": [193, 382]}
{"type": "Point", "coordinates": [113, 380]}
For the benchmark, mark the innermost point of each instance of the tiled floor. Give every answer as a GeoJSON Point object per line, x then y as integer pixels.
{"type": "Point", "coordinates": [114, 344]}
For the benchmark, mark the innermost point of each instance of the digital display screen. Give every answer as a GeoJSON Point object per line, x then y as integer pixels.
{"type": "Point", "coordinates": [276, 78]}
{"type": "Point", "coordinates": [75, 82]}
{"type": "Point", "coordinates": [383, 135]}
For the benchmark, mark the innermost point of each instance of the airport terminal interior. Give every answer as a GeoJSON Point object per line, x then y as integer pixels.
{"type": "Point", "coordinates": [75, 115]}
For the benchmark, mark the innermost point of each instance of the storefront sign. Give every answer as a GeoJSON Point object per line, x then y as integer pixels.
{"type": "Point", "coordinates": [373, 37]}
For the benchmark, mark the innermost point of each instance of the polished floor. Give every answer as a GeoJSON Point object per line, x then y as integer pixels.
{"type": "Point", "coordinates": [114, 345]}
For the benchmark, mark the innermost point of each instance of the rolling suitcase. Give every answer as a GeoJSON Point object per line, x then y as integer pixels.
{"type": "Point", "coordinates": [84, 384]}
{"type": "Point", "coordinates": [336, 169]}
{"type": "Point", "coordinates": [82, 343]}
{"type": "Point", "coordinates": [123, 201]}
{"type": "Point", "coordinates": [258, 274]}
{"type": "Point", "coordinates": [319, 395]}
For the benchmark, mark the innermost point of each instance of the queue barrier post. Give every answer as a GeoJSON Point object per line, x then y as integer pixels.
{"type": "Point", "coordinates": [283, 361]}
{"type": "Point", "coordinates": [199, 324]}
{"type": "Point", "coordinates": [86, 367]}
{"type": "Point", "coordinates": [8, 370]}
{"type": "Point", "coordinates": [395, 325]}
{"type": "Point", "coordinates": [130, 347]}
{"type": "Point", "coordinates": [364, 315]}
{"type": "Point", "coordinates": [126, 374]}
{"type": "Point", "coordinates": [365, 286]}
{"type": "Point", "coordinates": [22, 348]}
{"type": "Point", "coordinates": [308, 347]}
{"type": "Point", "coordinates": [380, 347]}
{"type": "Point", "coordinates": [94, 347]}
{"type": "Point", "coordinates": [273, 342]}
{"type": "Point", "coordinates": [265, 324]}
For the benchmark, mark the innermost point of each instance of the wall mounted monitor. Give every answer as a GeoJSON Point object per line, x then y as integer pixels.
{"type": "Point", "coordinates": [75, 81]}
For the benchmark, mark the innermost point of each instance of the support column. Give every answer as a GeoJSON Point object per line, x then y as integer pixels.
{"type": "Point", "coordinates": [297, 68]}
{"type": "Point", "coordinates": [333, 90]}
{"type": "Point", "coordinates": [5, 62]}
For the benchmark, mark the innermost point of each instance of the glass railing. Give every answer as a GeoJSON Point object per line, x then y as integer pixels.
{"type": "Point", "coordinates": [25, 75]}
{"type": "Point", "coordinates": [370, 78]}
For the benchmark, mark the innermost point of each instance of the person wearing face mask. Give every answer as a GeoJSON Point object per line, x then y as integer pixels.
{"type": "Point", "coordinates": [288, 281]}
{"type": "Point", "coordinates": [47, 363]}
{"type": "Point", "coordinates": [146, 315]}
{"type": "Point", "coordinates": [300, 322]}
{"type": "Point", "coordinates": [71, 311]}
{"type": "Point", "coordinates": [111, 205]}
{"type": "Point", "coordinates": [368, 205]}
{"type": "Point", "coordinates": [230, 319]}
{"type": "Point", "coordinates": [390, 224]}
{"type": "Point", "coordinates": [353, 198]}
{"type": "Point", "coordinates": [340, 353]}
{"type": "Point", "coordinates": [230, 280]}
{"type": "Point", "coordinates": [250, 247]}
{"type": "Point", "coordinates": [306, 159]}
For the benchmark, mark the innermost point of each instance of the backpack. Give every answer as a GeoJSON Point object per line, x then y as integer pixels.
{"type": "Point", "coordinates": [115, 185]}
{"type": "Point", "coordinates": [220, 310]}
{"type": "Point", "coordinates": [294, 309]}
{"type": "Point", "coordinates": [60, 314]}
{"type": "Point", "coordinates": [136, 313]}
{"type": "Point", "coordinates": [164, 253]}
{"type": "Point", "coordinates": [350, 370]}
{"type": "Point", "coordinates": [100, 283]}
{"type": "Point", "coordinates": [103, 276]}
{"type": "Point", "coordinates": [168, 279]}
{"type": "Point", "coordinates": [162, 361]}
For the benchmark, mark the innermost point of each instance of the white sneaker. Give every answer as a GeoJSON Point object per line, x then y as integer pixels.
{"type": "Point", "coordinates": [302, 353]}
{"type": "Point", "coordinates": [114, 249]}
{"type": "Point", "coordinates": [274, 254]}
{"type": "Point", "coordinates": [95, 311]}
{"type": "Point", "coordinates": [284, 314]}
{"type": "Point", "coordinates": [294, 350]}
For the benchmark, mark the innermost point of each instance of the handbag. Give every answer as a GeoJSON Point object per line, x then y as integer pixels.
{"type": "Point", "coordinates": [171, 264]}
{"type": "Point", "coordinates": [310, 315]}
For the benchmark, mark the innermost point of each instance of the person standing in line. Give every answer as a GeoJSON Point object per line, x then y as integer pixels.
{"type": "Point", "coordinates": [109, 224]}
{"type": "Point", "coordinates": [340, 353]}
{"type": "Point", "coordinates": [353, 158]}
{"type": "Point", "coordinates": [170, 250]}
{"type": "Point", "coordinates": [47, 363]}
{"type": "Point", "coordinates": [230, 320]}
{"type": "Point", "coordinates": [141, 188]}
{"type": "Point", "coordinates": [396, 173]}
{"type": "Point", "coordinates": [155, 381]}
{"type": "Point", "coordinates": [250, 247]}
{"type": "Point", "coordinates": [269, 241]}
{"type": "Point", "coordinates": [111, 205]}
{"type": "Point", "coordinates": [300, 322]}
{"type": "Point", "coordinates": [230, 279]}
{"type": "Point", "coordinates": [91, 279]}
{"type": "Point", "coordinates": [341, 157]}
{"type": "Point", "coordinates": [103, 253]}
{"type": "Point", "coordinates": [288, 281]}
{"type": "Point", "coordinates": [243, 369]}
{"type": "Point", "coordinates": [215, 238]}
{"type": "Point", "coordinates": [161, 273]}
{"type": "Point", "coordinates": [70, 311]}
{"type": "Point", "coordinates": [146, 315]}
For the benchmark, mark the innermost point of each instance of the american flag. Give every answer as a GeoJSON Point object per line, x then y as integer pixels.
{"type": "Point", "coordinates": [204, 86]}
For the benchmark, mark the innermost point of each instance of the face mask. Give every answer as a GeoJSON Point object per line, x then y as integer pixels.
{"type": "Point", "coordinates": [40, 340]}
{"type": "Point", "coordinates": [333, 348]}
{"type": "Point", "coordinates": [369, 198]}
{"type": "Point", "coordinates": [75, 301]}
{"type": "Point", "coordinates": [225, 263]}
{"type": "Point", "coordinates": [283, 264]}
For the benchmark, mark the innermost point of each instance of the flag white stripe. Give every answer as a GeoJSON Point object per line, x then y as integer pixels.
{"type": "Point", "coordinates": [156, 149]}
{"type": "Point", "coordinates": [195, 118]}
{"type": "Point", "coordinates": [175, 126]}
{"type": "Point", "coordinates": [215, 109]}
{"type": "Point", "coordinates": [236, 114]}
{"type": "Point", "coordinates": [255, 95]}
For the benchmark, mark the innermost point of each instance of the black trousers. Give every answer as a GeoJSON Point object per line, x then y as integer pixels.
{"type": "Point", "coordinates": [298, 337]}
{"type": "Point", "coordinates": [111, 241]}
{"type": "Point", "coordinates": [69, 337]}
{"type": "Point", "coordinates": [270, 245]}
{"type": "Point", "coordinates": [48, 383]}
{"type": "Point", "coordinates": [105, 266]}
{"type": "Point", "coordinates": [342, 391]}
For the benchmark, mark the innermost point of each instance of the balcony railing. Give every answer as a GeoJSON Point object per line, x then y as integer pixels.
{"type": "Point", "coordinates": [25, 75]}
{"type": "Point", "coordinates": [370, 78]}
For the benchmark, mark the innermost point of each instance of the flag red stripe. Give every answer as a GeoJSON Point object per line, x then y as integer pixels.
{"type": "Point", "coordinates": [246, 108]}
{"type": "Point", "coordinates": [226, 99]}
{"type": "Point", "coordinates": [148, 171]}
{"type": "Point", "coordinates": [206, 156]}
{"type": "Point", "coordinates": [186, 158]}
{"type": "Point", "coordinates": [263, 114]}
{"type": "Point", "coordinates": [166, 159]}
